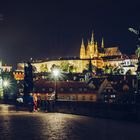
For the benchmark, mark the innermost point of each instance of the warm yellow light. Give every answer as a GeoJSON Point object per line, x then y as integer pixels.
{"type": "Point", "coordinates": [6, 83]}
{"type": "Point", "coordinates": [56, 72]}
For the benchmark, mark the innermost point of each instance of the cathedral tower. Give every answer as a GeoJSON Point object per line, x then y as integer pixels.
{"type": "Point", "coordinates": [90, 48]}
{"type": "Point", "coordinates": [96, 50]}
{"type": "Point", "coordinates": [92, 38]}
{"type": "Point", "coordinates": [102, 48]}
{"type": "Point", "coordinates": [82, 50]}
{"type": "Point", "coordinates": [102, 44]}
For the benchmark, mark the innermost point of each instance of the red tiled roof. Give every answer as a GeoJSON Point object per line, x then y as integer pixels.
{"type": "Point", "coordinates": [43, 86]}
{"type": "Point", "coordinates": [133, 57]}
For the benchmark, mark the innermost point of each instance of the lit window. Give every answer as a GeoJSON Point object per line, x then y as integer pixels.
{"type": "Point", "coordinates": [73, 97]}
{"type": "Point", "coordinates": [112, 96]}
{"type": "Point", "coordinates": [91, 97]}
{"type": "Point", "coordinates": [63, 97]}
{"type": "Point", "coordinates": [83, 97]}
{"type": "Point", "coordinates": [68, 98]}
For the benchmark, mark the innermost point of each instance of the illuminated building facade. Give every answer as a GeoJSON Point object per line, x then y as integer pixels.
{"type": "Point", "coordinates": [67, 91]}
{"type": "Point", "coordinates": [96, 53]}
{"type": "Point", "coordinates": [91, 50]}
{"type": "Point", "coordinates": [99, 55]}
{"type": "Point", "coordinates": [102, 57]}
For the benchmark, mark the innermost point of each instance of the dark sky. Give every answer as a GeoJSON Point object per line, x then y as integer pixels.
{"type": "Point", "coordinates": [50, 28]}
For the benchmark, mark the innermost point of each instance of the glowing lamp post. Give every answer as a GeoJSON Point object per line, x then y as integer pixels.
{"type": "Point", "coordinates": [6, 84]}
{"type": "Point", "coordinates": [56, 74]}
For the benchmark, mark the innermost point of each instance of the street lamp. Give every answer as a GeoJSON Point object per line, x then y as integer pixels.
{"type": "Point", "coordinates": [6, 83]}
{"type": "Point", "coordinates": [56, 74]}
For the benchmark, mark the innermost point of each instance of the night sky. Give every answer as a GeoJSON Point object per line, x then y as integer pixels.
{"type": "Point", "coordinates": [50, 28]}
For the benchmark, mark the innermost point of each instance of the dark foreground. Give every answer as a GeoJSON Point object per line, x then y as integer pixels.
{"type": "Point", "coordinates": [56, 126]}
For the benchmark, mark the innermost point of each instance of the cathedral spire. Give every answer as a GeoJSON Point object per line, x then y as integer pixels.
{"type": "Point", "coordinates": [88, 42]}
{"type": "Point", "coordinates": [82, 50]}
{"type": "Point", "coordinates": [82, 42]}
{"type": "Point", "coordinates": [96, 48]}
{"type": "Point", "coordinates": [92, 38]}
{"type": "Point", "coordinates": [102, 44]}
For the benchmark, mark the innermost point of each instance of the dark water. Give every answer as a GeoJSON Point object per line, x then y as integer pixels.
{"type": "Point", "coordinates": [56, 126]}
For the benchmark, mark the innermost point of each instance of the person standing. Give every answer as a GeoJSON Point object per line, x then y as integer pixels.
{"type": "Point", "coordinates": [30, 103]}
{"type": "Point", "coordinates": [35, 102]}
{"type": "Point", "coordinates": [46, 104]}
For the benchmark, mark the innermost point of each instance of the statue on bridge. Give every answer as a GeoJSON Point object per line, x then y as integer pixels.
{"type": "Point", "coordinates": [28, 80]}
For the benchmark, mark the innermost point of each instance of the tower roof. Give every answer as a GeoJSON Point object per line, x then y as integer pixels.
{"type": "Point", "coordinates": [92, 38]}
{"type": "Point", "coordinates": [82, 42]}
{"type": "Point", "coordinates": [102, 44]}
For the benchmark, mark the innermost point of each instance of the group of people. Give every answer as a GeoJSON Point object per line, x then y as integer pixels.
{"type": "Point", "coordinates": [35, 102]}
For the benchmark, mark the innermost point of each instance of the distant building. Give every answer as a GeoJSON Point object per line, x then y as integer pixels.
{"type": "Point", "coordinates": [102, 57]}
{"type": "Point", "coordinates": [99, 55]}
{"type": "Point", "coordinates": [6, 68]}
{"type": "Point", "coordinates": [18, 75]}
{"type": "Point", "coordinates": [67, 91]}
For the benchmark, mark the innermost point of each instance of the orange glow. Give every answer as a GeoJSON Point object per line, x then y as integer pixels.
{"type": "Point", "coordinates": [18, 75]}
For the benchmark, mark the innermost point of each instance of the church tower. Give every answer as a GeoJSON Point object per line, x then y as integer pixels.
{"type": "Point", "coordinates": [102, 44]}
{"type": "Point", "coordinates": [92, 38]}
{"type": "Point", "coordinates": [90, 48]}
{"type": "Point", "coordinates": [96, 50]}
{"type": "Point", "coordinates": [102, 48]}
{"type": "Point", "coordinates": [82, 50]}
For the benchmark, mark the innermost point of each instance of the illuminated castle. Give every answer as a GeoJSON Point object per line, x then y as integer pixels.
{"type": "Point", "coordinates": [100, 56]}
{"type": "Point", "coordinates": [92, 50]}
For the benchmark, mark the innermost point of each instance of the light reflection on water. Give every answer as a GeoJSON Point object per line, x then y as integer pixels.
{"type": "Point", "coordinates": [4, 108]}
{"type": "Point", "coordinates": [58, 126]}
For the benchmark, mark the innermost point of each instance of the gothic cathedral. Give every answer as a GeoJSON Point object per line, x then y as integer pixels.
{"type": "Point", "coordinates": [92, 50]}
